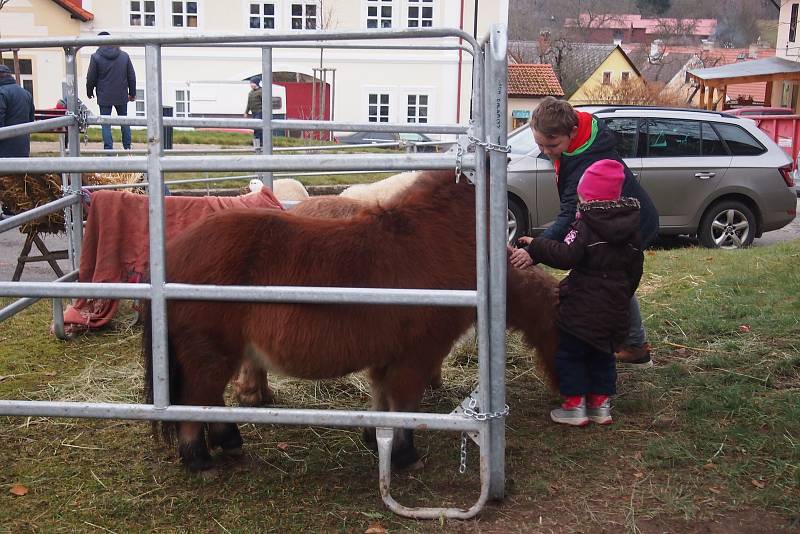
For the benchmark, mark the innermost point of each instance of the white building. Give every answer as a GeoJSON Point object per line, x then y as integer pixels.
{"type": "Point", "coordinates": [788, 47]}
{"type": "Point", "coordinates": [370, 85]}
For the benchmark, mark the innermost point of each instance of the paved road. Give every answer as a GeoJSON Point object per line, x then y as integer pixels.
{"type": "Point", "coordinates": [11, 243]}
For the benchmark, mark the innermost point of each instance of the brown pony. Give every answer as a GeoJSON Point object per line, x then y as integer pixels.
{"type": "Point", "coordinates": [420, 238]}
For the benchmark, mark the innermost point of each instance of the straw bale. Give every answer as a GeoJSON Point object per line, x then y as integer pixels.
{"type": "Point", "coordinates": [22, 192]}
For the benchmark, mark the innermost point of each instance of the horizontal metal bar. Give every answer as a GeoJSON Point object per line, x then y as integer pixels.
{"type": "Point", "coordinates": [212, 38]}
{"type": "Point", "coordinates": [37, 126]}
{"type": "Point", "coordinates": [257, 163]}
{"type": "Point", "coordinates": [40, 211]}
{"type": "Point", "coordinates": [304, 294]}
{"type": "Point", "coordinates": [337, 46]}
{"type": "Point", "coordinates": [321, 162]}
{"type": "Point", "coordinates": [19, 305]}
{"type": "Point", "coordinates": [281, 124]}
{"type": "Point", "coordinates": [73, 164]}
{"type": "Point", "coordinates": [218, 414]}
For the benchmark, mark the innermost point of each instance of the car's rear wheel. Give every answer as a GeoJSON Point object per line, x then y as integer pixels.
{"type": "Point", "coordinates": [517, 221]}
{"type": "Point", "coordinates": [728, 224]}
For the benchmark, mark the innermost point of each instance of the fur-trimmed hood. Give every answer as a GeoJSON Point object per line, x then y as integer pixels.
{"type": "Point", "coordinates": [616, 221]}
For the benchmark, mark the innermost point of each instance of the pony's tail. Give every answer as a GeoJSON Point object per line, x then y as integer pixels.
{"type": "Point", "coordinates": [167, 430]}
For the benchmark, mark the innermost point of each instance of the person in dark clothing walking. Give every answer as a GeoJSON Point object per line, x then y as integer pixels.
{"type": "Point", "coordinates": [254, 106]}
{"type": "Point", "coordinates": [603, 250]}
{"type": "Point", "coordinates": [16, 107]}
{"type": "Point", "coordinates": [574, 140]}
{"type": "Point", "coordinates": [111, 73]}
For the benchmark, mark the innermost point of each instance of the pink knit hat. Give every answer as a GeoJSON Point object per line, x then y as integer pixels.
{"type": "Point", "coordinates": [602, 180]}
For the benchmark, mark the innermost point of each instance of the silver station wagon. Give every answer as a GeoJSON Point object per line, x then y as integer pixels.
{"type": "Point", "coordinates": [710, 175]}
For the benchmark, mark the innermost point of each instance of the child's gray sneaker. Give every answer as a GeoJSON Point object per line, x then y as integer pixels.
{"type": "Point", "coordinates": [600, 414]}
{"type": "Point", "coordinates": [566, 415]}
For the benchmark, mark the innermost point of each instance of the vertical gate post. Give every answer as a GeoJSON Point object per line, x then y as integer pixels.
{"type": "Point", "coordinates": [155, 179]}
{"type": "Point", "coordinates": [495, 119]}
{"type": "Point", "coordinates": [482, 258]}
{"type": "Point", "coordinates": [266, 109]}
{"type": "Point", "coordinates": [74, 216]}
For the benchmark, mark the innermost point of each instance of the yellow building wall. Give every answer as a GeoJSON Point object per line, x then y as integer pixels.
{"type": "Point", "coordinates": [616, 64]}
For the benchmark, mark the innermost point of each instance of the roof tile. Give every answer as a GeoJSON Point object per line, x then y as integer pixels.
{"type": "Point", "coordinates": [533, 80]}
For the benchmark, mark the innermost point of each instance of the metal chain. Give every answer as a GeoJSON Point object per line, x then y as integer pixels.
{"type": "Point", "coordinates": [459, 156]}
{"type": "Point", "coordinates": [82, 117]}
{"type": "Point", "coordinates": [470, 411]}
{"type": "Point", "coordinates": [462, 466]}
{"type": "Point", "coordinates": [485, 144]}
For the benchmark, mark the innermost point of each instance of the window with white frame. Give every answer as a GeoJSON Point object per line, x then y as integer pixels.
{"type": "Point", "coordinates": [379, 13]}
{"type": "Point", "coordinates": [378, 107]}
{"type": "Point", "coordinates": [139, 103]}
{"type": "Point", "coordinates": [143, 13]}
{"type": "Point", "coordinates": [262, 15]}
{"type": "Point", "coordinates": [182, 103]}
{"type": "Point", "coordinates": [417, 108]}
{"type": "Point", "coordinates": [25, 72]}
{"type": "Point", "coordinates": [304, 15]}
{"type": "Point", "coordinates": [420, 13]}
{"type": "Point", "coordinates": [184, 14]}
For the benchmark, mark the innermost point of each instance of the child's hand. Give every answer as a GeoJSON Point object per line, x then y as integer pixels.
{"type": "Point", "coordinates": [520, 258]}
{"type": "Point", "coordinates": [524, 241]}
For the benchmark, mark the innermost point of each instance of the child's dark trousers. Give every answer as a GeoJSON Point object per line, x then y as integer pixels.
{"type": "Point", "coordinates": [583, 368]}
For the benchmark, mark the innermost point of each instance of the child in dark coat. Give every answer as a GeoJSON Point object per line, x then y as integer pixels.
{"type": "Point", "coordinates": [603, 251]}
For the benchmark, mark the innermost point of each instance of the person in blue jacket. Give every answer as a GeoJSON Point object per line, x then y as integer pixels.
{"type": "Point", "coordinates": [16, 107]}
{"type": "Point", "coordinates": [111, 74]}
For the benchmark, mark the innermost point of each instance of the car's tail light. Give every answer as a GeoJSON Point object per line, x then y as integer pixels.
{"type": "Point", "coordinates": [786, 172]}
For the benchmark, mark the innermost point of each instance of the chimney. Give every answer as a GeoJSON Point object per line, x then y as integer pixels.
{"type": "Point", "coordinates": [656, 50]}
{"type": "Point", "coordinates": [707, 44]}
{"type": "Point", "coordinates": [544, 42]}
{"type": "Point", "coordinates": [753, 52]}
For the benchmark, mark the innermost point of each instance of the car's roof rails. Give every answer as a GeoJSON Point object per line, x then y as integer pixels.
{"type": "Point", "coordinates": [609, 109]}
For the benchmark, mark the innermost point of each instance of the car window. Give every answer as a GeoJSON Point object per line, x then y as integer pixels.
{"type": "Point", "coordinates": [712, 143]}
{"type": "Point", "coordinates": [413, 137]}
{"type": "Point", "coordinates": [672, 138]}
{"type": "Point", "coordinates": [522, 142]}
{"type": "Point", "coordinates": [627, 131]}
{"type": "Point", "coordinates": [739, 141]}
{"type": "Point", "coordinates": [383, 137]}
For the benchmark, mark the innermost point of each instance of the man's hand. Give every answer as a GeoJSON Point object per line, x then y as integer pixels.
{"type": "Point", "coordinates": [524, 241]}
{"type": "Point", "coordinates": [520, 258]}
{"type": "Point", "coordinates": [130, 98]}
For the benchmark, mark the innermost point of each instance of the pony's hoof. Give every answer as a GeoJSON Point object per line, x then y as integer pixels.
{"type": "Point", "coordinates": [406, 458]}
{"type": "Point", "coordinates": [209, 474]}
{"type": "Point", "coordinates": [264, 397]}
{"type": "Point", "coordinates": [369, 438]}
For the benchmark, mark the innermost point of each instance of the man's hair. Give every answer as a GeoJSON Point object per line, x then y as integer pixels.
{"type": "Point", "coordinates": [554, 117]}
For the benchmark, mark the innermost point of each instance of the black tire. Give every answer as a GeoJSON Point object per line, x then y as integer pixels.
{"type": "Point", "coordinates": [729, 224]}
{"type": "Point", "coordinates": [517, 220]}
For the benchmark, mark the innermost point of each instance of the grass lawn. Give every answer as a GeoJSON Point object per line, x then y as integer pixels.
{"type": "Point", "coordinates": [707, 441]}
{"type": "Point", "coordinates": [233, 139]}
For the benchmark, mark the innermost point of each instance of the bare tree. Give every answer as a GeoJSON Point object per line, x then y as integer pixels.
{"type": "Point", "coordinates": [635, 92]}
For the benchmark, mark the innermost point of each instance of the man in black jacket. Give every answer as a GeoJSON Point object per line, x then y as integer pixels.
{"type": "Point", "coordinates": [111, 72]}
{"type": "Point", "coordinates": [574, 140]}
{"type": "Point", "coordinates": [16, 107]}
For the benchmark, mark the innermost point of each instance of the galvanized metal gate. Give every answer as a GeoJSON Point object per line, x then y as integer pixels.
{"type": "Point", "coordinates": [480, 415]}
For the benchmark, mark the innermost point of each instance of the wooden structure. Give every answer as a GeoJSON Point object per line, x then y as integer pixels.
{"type": "Point", "coordinates": [714, 81]}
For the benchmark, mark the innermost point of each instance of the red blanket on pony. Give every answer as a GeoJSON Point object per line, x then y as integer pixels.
{"type": "Point", "coordinates": [116, 245]}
